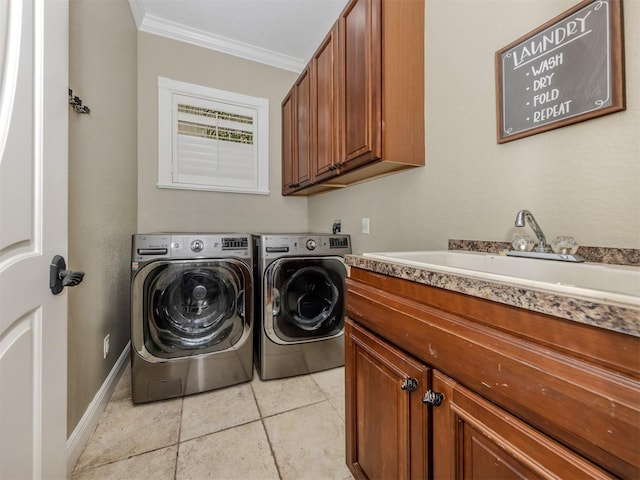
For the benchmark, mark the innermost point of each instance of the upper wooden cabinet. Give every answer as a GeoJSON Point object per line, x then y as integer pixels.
{"type": "Point", "coordinates": [324, 75]}
{"type": "Point", "coordinates": [297, 138]}
{"type": "Point", "coordinates": [367, 103]}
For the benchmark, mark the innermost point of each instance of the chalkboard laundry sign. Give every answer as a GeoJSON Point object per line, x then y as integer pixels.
{"type": "Point", "coordinates": [566, 71]}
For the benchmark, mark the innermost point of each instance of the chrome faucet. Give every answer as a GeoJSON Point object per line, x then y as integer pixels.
{"type": "Point", "coordinates": [520, 222]}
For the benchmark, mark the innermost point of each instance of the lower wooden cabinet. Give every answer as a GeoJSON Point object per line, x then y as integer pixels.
{"type": "Point", "coordinates": [441, 385]}
{"type": "Point", "coordinates": [387, 423]}
{"type": "Point", "coordinates": [408, 421]}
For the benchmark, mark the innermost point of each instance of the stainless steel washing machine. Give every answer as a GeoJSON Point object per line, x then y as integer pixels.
{"type": "Point", "coordinates": [300, 305]}
{"type": "Point", "coordinates": [191, 313]}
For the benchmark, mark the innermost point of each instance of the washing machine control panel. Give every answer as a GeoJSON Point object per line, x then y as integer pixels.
{"type": "Point", "coordinates": [157, 246]}
{"type": "Point", "coordinates": [211, 246]}
{"type": "Point", "coordinates": [274, 246]}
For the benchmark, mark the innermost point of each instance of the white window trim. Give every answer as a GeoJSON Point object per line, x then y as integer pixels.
{"type": "Point", "coordinates": [167, 88]}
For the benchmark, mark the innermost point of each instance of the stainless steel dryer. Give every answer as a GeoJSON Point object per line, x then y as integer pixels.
{"type": "Point", "coordinates": [191, 313]}
{"type": "Point", "coordinates": [300, 305]}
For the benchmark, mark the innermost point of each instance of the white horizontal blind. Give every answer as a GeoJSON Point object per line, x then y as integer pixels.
{"type": "Point", "coordinates": [215, 145]}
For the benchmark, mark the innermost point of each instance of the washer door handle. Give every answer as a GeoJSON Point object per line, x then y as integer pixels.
{"type": "Point", "coordinates": [275, 302]}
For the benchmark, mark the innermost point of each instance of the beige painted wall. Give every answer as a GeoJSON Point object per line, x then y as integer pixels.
{"type": "Point", "coordinates": [102, 191]}
{"type": "Point", "coordinates": [184, 210]}
{"type": "Point", "coordinates": [581, 180]}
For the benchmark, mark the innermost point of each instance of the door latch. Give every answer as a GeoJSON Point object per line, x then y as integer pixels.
{"type": "Point", "coordinates": [60, 277]}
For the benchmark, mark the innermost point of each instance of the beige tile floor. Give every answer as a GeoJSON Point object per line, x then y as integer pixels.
{"type": "Point", "coordinates": [288, 429]}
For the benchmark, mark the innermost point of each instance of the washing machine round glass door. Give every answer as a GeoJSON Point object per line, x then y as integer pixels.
{"type": "Point", "coordinates": [195, 307]}
{"type": "Point", "coordinates": [306, 297]}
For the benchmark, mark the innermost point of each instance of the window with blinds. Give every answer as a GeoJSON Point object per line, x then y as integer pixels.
{"type": "Point", "coordinates": [211, 139]}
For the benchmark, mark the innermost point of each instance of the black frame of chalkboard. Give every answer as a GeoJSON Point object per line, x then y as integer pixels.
{"type": "Point", "coordinates": [617, 77]}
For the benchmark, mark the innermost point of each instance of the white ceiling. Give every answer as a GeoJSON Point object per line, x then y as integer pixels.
{"type": "Point", "coordinates": [281, 33]}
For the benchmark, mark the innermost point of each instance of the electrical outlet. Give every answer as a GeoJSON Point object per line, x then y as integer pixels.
{"type": "Point", "coordinates": [105, 345]}
{"type": "Point", "coordinates": [337, 226]}
{"type": "Point", "coordinates": [365, 226]}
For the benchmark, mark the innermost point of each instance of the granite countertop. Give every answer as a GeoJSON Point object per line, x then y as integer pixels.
{"type": "Point", "coordinates": [603, 315]}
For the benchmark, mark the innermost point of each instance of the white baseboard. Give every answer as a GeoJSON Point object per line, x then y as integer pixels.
{"type": "Point", "coordinates": [89, 421]}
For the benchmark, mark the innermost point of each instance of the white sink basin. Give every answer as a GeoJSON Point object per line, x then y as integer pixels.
{"type": "Point", "coordinates": [594, 281]}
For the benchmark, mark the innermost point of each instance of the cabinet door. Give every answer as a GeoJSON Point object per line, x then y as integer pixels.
{"type": "Point", "coordinates": [475, 439]}
{"type": "Point", "coordinates": [386, 421]}
{"type": "Point", "coordinates": [288, 142]}
{"type": "Point", "coordinates": [304, 140]}
{"type": "Point", "coordinates": [297, 135]}
{"type": "Point", "coordinates": [325, 94]}
{"type": "Point", "coordinates": [361, 83]}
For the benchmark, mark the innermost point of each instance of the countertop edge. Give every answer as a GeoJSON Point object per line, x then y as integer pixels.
{"type": "Point", "coordinates": [598, 314]}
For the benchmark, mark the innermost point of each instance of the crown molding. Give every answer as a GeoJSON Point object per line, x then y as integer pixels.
{"type": "Point", "coordinates": [137, 11]}
{"type": "Point", "coordinates": [176, 31]}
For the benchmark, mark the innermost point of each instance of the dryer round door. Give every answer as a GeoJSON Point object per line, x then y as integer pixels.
{"type": "Point", "coordinates": [306, 297]}
{"type": "Point", "coordinates": [195, 307]}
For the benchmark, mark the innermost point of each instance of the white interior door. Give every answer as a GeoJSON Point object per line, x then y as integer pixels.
{"type": "Point", "coordinates": [33, 228]}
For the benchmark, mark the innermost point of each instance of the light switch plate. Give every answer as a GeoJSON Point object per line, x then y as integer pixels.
{"type": "Point", "coordinates": [365, 226]}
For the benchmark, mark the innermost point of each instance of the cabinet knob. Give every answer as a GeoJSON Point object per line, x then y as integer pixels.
{"type": "Point", "coordinates": [433, 398]}
{"type": "Point", "coordinates": [409, 384]}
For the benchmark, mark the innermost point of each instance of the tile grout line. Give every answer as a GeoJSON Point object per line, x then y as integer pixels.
{"type": "Point", "coordinates": [334, 408]}
{"type": "Point", "coordinates": [273, 453]}
{"type": "Point", "coordinates": [294, 409]}
{"type": "Point", "coordinates": [266, 434]}
{"type": "Point", "coordinates": [175, 466]}
{"type": "Point", "coordinates": [95, 467]}
{"type": "Point", "coordinates": [255, 400]}
{"type": "Point", "coordinates": [326, 397]}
